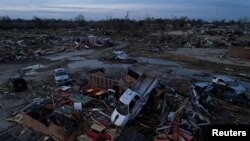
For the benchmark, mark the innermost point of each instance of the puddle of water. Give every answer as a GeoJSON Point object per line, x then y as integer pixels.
{"type": "Point", "coordinates": [92, 63]}
{"type": "Point", "coordinates": [59, 56]}
{"type": "Point", "coordinates": [155, 61]}
{"type": "Point", "coordinates": [34, 67]}
{"type": "Point", "coordinates": [54, 57]}
{"type": "Point", "coordinates": [32, 70]}
{"type": "Point", "coordinates": [76, 58]}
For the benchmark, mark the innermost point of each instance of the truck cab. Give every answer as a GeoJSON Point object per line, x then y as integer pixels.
{"type": "Point", "coordinates": [125, 107]}
{"type": "Point", "coordinates": [133, 99]}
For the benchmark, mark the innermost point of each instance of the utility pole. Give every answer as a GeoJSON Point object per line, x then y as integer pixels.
{"type": "Point", "coordinates": [127, 15]}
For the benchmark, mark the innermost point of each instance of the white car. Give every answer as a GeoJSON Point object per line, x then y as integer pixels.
{"type": "Point", "coordinates": [229, 83]}
{"type": "Point", "coordinates": [61, 77]}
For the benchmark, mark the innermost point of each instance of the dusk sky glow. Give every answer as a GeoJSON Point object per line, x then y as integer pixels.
{"type": "Point", "coordinates": [140, 9]}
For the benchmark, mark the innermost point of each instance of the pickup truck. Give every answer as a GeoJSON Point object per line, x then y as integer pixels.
{"type": "Point", "coordinates": [133, 99]}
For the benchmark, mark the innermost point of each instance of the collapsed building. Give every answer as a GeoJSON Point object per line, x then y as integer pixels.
{"type": "Point", "coordinates": [26, 47]}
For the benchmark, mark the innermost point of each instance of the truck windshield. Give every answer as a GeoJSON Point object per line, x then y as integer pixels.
{"type": "Point", "coordinates": [122, 108]}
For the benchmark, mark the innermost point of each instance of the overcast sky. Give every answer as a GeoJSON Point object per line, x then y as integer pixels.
{"type": "Point", "coordinates": [138, 9]}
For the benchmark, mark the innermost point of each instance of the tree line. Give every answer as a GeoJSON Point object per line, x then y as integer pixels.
{"type": "Point", "coordinates": [117, 24]}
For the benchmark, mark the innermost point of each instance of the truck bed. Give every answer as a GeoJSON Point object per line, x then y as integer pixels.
{"type": "Point", "coordinates": [143, 83]}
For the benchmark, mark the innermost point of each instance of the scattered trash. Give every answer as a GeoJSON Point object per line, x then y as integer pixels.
{"type": "Point", "coordinates": [120, 55]}
{"type": "Point", "coordinates": [229, 83]}
{"type": "Point", "coordinates": [103, 104]}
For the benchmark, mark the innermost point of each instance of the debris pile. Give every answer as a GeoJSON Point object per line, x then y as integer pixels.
{"type": "Point", "coordinates": [138, 105]}
{"type": "Point", "coordinates": [32, 46]}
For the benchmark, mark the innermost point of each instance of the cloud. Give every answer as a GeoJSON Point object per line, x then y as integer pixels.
{"type": "Point", "coordinates": [101, 8]}
{"type": "Point", "coordinates": [75, 7]}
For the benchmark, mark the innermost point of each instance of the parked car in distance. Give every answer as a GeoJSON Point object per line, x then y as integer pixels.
{"type": "Point", "coordinates": [229, 83]}
{"type": "Point", "coordinates": [61, 77]}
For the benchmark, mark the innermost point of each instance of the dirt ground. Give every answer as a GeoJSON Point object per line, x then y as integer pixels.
{"type": "Point", "coordinates": [212, 55]}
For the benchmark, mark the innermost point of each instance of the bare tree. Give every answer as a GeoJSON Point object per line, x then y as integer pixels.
{"type": "Point", "coordinates": [80, 19]}
{"type": "Point", "coordinates": [127, 15]}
